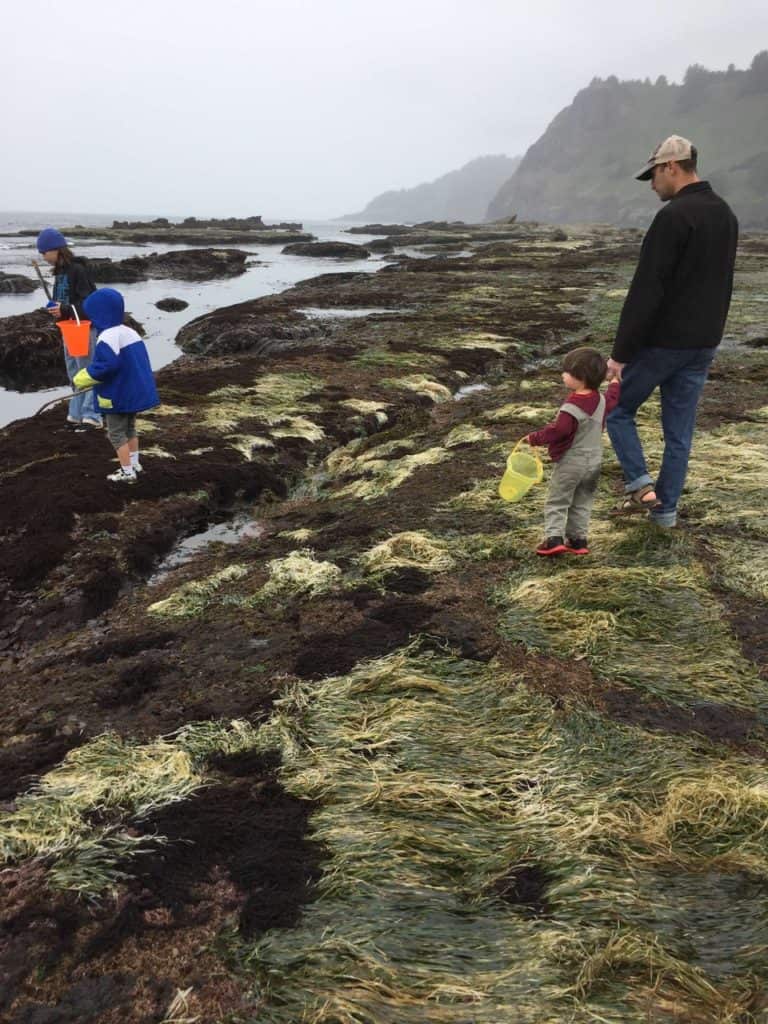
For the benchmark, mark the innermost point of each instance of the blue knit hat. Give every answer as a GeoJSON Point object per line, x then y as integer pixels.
{"type": "Point", "coordinates": [50, 238]}
{"type": "Point", "coordinates": [104, 308]}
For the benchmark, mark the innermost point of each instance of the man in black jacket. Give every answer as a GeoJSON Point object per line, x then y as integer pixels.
{"type": "Point", "coordinates": [671, 323]}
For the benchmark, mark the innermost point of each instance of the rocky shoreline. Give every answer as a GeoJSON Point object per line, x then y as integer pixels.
{"type": "Point", "coordinates": [191, 231]}
{"type": "Point", "coordinates": [449, 765]}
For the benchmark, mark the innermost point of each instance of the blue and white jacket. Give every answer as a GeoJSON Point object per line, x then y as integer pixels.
{"type": "Point", "coordinates": [120, 372]}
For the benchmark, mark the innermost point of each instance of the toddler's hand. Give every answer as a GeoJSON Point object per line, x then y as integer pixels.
{"type": "Point", "coordinates": [614, 370]}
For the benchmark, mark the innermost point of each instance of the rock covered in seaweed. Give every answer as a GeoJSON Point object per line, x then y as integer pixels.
{"type": "Point", "coordinates": [31, 351]}
{"type": "Point", "coordinates": [181, 264]}
{"type": "Point", "coordinates": [338, 250]}
{"type": "Point", "coordinates": [249, 327]}
{"type": "Point", "coordinates": [16, 284]}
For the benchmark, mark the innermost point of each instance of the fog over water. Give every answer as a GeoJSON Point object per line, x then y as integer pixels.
{"type": "Point", "coordinates": [308, 108]}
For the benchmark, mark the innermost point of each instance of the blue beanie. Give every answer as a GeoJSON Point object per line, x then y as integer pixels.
{"type": "Point", "coordinates": [104, 308]}
{"type": "Point", "coordinates": [50, 238]}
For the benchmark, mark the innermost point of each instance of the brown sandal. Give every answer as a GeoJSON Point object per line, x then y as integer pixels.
{"type": "Point", "coordinates": [633, 502]}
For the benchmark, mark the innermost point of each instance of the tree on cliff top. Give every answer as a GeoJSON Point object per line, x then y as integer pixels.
{"type": "Point", "coordinates": [581, 168]}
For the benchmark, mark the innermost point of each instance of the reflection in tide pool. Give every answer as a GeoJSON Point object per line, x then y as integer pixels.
{"type": "Point", "coordinates": [242, 527]}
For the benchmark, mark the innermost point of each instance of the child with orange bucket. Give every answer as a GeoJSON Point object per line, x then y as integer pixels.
{"type": "Point", "coordinates": [575, 444]}
{"type": "Point", "coordinates": [121, 377]}
{"type": "Point", "coordinates": [71, 285]}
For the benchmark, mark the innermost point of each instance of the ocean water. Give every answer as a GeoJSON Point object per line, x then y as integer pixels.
{"type": "Point", "coordinates": [274, 273]}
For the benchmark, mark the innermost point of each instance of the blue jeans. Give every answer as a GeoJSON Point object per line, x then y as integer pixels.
{"type": "Point", "coordinates": [680, 374]}
{"type": "Point", "coordinates": [82, 404]}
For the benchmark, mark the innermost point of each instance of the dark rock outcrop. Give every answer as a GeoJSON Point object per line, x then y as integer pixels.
{"type": "Point", "coordinates": [131, 321]}
{"type": "Point", "coordinates": [250, 327]}
{"type": "Point", "coordinates": [380, 229]}
{"type": "Point", "coordinates": [181, 264]}
{"type": "Point", "coordinates": [171, 305]}
{"type": "Point", "coordinates": [31, 354]}
{"type": "Point", "coordinates": [380, 245]}
{"type": "Point", "coordinates": [16, 284]}
{"type": "Point", "coordinates": [254, 223]}
{"type": "Point", "coordinates": [336, 250]}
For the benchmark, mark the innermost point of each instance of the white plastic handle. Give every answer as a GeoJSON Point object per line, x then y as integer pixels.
{"type": "Point", "coordinates": [76, 316]}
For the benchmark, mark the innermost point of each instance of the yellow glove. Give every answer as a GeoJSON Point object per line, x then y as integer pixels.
{"type": "Point", "coordinates": [83, 379]}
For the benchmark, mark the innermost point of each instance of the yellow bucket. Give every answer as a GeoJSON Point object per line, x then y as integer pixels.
{"type": "Point", "coordinates": [524, 469]}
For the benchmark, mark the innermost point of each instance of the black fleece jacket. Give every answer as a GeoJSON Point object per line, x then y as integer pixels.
{"type": "Point", "coordinates": [681, 291]}
{"type": "Point", "coordinates": [80, 287]}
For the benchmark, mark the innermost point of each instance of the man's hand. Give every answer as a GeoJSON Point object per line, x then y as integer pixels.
{"type": "Point", "coordinates": [614, 370]}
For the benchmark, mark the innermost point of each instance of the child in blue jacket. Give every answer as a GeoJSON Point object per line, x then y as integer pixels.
{"type": "Point", "coordinates": [121, 377]}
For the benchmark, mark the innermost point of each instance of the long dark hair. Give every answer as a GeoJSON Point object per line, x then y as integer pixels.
{"type": "Point", "coordinates": [63, 260]}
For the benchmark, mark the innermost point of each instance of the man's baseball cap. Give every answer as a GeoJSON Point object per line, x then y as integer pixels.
{"type": "Point", "coordinates": [673, 148]}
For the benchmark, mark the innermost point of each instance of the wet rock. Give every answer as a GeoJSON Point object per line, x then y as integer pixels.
{"type": "Point", "coordinates": [171, 305]}
{"type": "Point", "coordinates": [380, 245]}
{"type": "Point", "coordinates": [16, 284]}
{"type": "Point", "coordinates": [182, 264]}
{"type": "Point", "coordinates": [441, 225]}
{"type": "Point", "coordinates": [86, 1002]}
{"type": "Point", "coordinates": [338, 250]}
{"type": "Point", "coordinates": [381, 229]}
{"type": "Point", "coordinates": [249, 327]}
{"type": "Point", "coordinates": [558, 235]}
{"type": "Point", "coordinates": [33, 755]}
{"type": "Point", "coordinates": [130, 321]}
{"type": "Point", "coordinates": [31, 352]}
{"type": "Point", "coordinates": [499, 249]}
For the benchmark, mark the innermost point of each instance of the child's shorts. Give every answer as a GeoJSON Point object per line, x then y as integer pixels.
{"type": "Point", "coordinates": [121, 427]}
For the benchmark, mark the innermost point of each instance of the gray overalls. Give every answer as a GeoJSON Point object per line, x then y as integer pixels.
{"type": "Point", "coordinates": [574, 479]}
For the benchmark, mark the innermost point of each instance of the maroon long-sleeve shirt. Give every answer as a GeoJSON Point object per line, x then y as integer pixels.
{"type": "Point", "coordinates": [558, 436]}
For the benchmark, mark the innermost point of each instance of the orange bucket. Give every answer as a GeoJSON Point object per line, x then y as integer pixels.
{"type": "Point", "coordinates": [76, 334]}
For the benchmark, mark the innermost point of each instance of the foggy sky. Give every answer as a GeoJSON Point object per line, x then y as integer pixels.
{"type": "Point", "coordinates": [308, 108]}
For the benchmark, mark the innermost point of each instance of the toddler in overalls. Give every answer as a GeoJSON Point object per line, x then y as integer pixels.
{"type": "Point", "coordinates": [575, 444]}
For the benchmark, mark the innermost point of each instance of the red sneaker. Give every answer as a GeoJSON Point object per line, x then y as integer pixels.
{"type": "Point", "coordinates": [551, 546]}
{"type": "Point", "coordinates": [577, 546]}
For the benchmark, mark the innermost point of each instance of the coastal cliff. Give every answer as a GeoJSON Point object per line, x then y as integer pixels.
{"type": "Point", "coordinates": [581, 169]}
{"type": "Point", "coordinates": [463, 194]}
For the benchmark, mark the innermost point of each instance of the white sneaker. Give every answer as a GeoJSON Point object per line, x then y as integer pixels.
{"type": "Point", "coordinates": [121, 477]}
{"type": "Point", "coordinates": [137, 467]}
{"type": "Point", "coordinates": [89, 421]}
